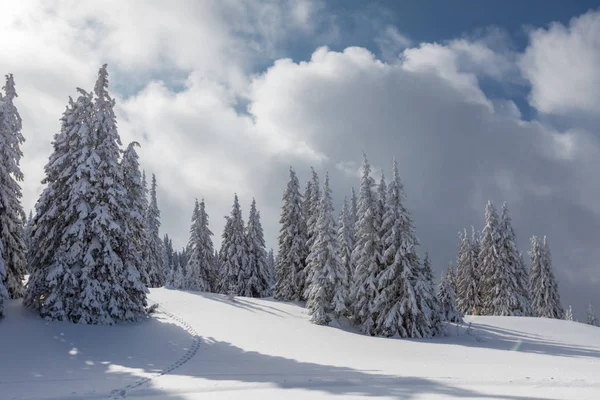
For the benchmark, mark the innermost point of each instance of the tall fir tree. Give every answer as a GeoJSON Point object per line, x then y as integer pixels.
{"type": "Point", "coordinates": [451, 276]}
{"type": "Point", "coordinates": [467, 293]}
{"type": "Point", "coordinates": [381, 196]}
{"type": "Point", "coordinates": [87, 277]}
{"type": "Point", "coordinates": [591, 316]}
{"type": "Point", "coordinates": [134, 227]}
{"type": "Point", "coordinates": [366, 255]}
{"type": "Point", "coordinates": [327, 289]}
{"type": "Point", "coordinates": [396, 307]}
{"type": "Point", "coordinates": [545, 300]}
{"type": "Point", "coordinates": [353, 208]}
{"type": "Point", "coordinates": [221, 278]}
{"type": "Point", "coordinates": [216, 271]}
{"type": "Point", "coordinates": [235, 263]}
{"type": "Point", "coordinates": [53, 211]}
{"type": "Point", "coordinates": [553, 293]}
{"type": "Point", "coordinates": [258, 282]}
{"type": "Point", "coordinates": [311, 215]}
{"type": "Point", "coordinates": [200, 264]}
{"type": "Point", "coordinates": [135, 221]}
{"type": "Point", "coordinates": [145, 274]}
{"type": "Point", "coordinates": [28, 231]}
{"type": "Point", "coordinates": [447, 299]}
{"type": "Point", "coordinates": [12, 216]}
{"type": "Point", "coordinates": [475, 250]}
{"type": "Point", "coordinates": [104, 268]}
{"type": "Point", "coordinates": [345, 241]}
{"type": "Point", "coordinates": [154, 243]}
{"type": "Point", "coordinates": [503, 294]}
{"type": "Point", "coordinates": [167, 257]}
{"type": "Point", "coordinates": [271, 265]}
{"type": "Point", "coordinates": [513, 290]}
{"type": "Point", "coordinates": [489, 259]}
{"type": "Point", "coordinates": [427, 297]}
{"type": "Point", "coordinates": [292, 251]}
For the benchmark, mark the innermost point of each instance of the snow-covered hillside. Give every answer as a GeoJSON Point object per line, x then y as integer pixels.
{"type": "Point", "coordinates": [204, 346]}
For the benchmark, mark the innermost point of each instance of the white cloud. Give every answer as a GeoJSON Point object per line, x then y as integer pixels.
{"type": "Point", "coordinates": [562, 65]}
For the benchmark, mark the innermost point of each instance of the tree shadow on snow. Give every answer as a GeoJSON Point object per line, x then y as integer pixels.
{"type": "Point", "coordinates": [256, 305]}
{"type": "Point", "coordinates": [222, 361]}
{"type": "Point", "coordinates": [482, 335]}
{"type": "Point", "coordinates": [55, 360]}
{"type": "Point", "coordinates": [61, 360]}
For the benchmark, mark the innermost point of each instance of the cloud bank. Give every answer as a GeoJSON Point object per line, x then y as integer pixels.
{"type": "Point", "coordinates": [218, 107]}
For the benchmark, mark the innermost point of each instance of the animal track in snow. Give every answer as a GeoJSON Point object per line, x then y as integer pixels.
{"type": "Point", "coordinates": [193, 349]}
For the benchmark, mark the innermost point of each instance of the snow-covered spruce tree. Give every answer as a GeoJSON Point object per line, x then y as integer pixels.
{"type": "Point", "coordinates": [396, 306]}
{"type": "Point", "coordinates": [53, 215]}
{"type": "Point", "coordinates": [201, 252]}
{"type": "Point", "coordinates": [311, 215]}
{"type": "Point", "coordinates": [235, 261]}
{"type": "Point", "coordinates": [447, 300]}
{"type": "Point", "coordinates": [345, 241]}
{"type": "Point", "coordinates": [327, 289]}
{"type": "Point", "coordinates": [515, 296]}
{"type": "Point", "coordinates": [143, 200]}
{"type": "Point", "coordinates": [366, 255]}
{"type": "Point", "coordinates": [271, 268]}
{"type": "Point", "coordinates": [381, 196]}
{"type": "Point", "coordinates": [177, 277]}
{"type": "Point", "coordinates": [569, 314]}
{"type": "Point", "coordinates": [545, 300]}
{"type": "Point", "coordinates": [535, 276]}
{"type": "Point", "coordinates": [591, 316]}
{"type": "Point", "coordinates": [555, 306]}
{"type": "Point", "coordinates": [451, 276]}
{"type": "Point", "coordinates": [353, 208]}
{"type": "Point", "coordinates": [215, 272]}
{"type": "Point", "coordinates": [490, 260]}
{"type": "Point", "coordinates": [167, 257]}
{"type": "Point", "coordinates": [3, 291]}
{"type": "Point", "coordinates": [27, 231]}
{"type": "Point", "coordinates": [87, 280]}
{"type": "Point", "coordinates": [502, 273]}
{"type": "Point", "coordinates": [467, 294]}
{"type": "Point", "coordinates": [312, 201]}
{"type": "Point", "coordinates": [221, 278]}
{"type": "Point", "coordinates": [258, 282]}
{"type": "Point", "coordinates": [154, 243]}
{"type": "Point", "coordinates": [380, 209]}
{"type": "Point", "coordinates": [135, 221]}
{"type": "Point", "coordinates": [292, 244]}
{"type": "Point", "coordinates": [12, 215]}
{"type": "Point", "coordinates": [475, 250]}
{"type": "Point", "coordinates": [104, 274]}
{"type": "Point", "coordinates": [427, 296]}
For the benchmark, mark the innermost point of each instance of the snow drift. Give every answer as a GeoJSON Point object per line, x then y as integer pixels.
{"type": "Point", "coordinates": [202, 345]}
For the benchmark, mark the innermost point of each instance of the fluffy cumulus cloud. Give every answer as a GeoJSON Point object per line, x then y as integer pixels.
{"type": "Point", "coordinates": [192, 89]}
{"type": "Point", "coordinates": [562, 64]}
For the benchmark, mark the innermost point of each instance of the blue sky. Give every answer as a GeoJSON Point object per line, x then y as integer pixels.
{"type": "Point", "coordinates": [440, 21]}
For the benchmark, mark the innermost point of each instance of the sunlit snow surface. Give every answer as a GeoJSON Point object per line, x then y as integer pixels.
{"type": "Point", "coordinates": [214, 348]}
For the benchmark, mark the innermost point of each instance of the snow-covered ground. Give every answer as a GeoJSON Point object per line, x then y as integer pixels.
{"type": "Point", "coordinates": [204, 346]}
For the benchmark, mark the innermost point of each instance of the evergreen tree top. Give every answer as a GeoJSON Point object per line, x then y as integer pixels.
{"type": "Point", "coordinates": [382, 188]}
{"type": "Point", "coordinates": [101, 87]}
{"type": "Point", "coordinates": [9, 88]}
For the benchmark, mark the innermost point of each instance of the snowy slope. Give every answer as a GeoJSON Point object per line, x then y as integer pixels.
{"type": "Point", "coordinates": [262, 349]}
